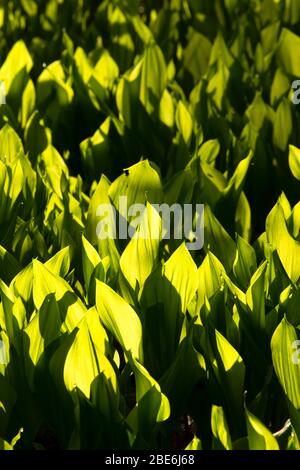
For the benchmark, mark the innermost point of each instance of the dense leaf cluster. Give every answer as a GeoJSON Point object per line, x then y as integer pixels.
{"type": "Point", "coordinates": [128, 344]}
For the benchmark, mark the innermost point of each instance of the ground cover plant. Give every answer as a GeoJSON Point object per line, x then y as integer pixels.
{"type": "Point", "coordinates": [140, 343]}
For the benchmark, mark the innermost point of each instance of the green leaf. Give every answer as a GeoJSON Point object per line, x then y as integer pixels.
{"type": "Point", "coordinates": [195, 444]}
{"type": "Point", "coordinates": [152, 406]}
{"type": "Point", "coordinates": [245, 263]}
{"type": "Point", "coordinates": [153, 77]}
{"type": "Point", "coordinates": [14, 314]}
{"type": "Point", "coordinates": [11, 145]}
{"type": "Point", "coordinates": [59, 264]}
{"type": "Point", "coordinates": [209, 151]}
{"type": "Point", "coordinates": [165, 299]}
{"type": "Point", "coordinates": [144, 84]}
{"type": "Point", "coordinates": [96, 150]}
{"type": "Point", "coordinates": [243, 218]}
{"type": "Point", "coordinates": [106, 71]}
{"type": "Point", "coordinates": [28, 103]}
{"type": "Point", "coordinates": [16, 61]}
{"type": "Point", "coordinates": [138, 184]}
{"type": "Point", "coordinates": [96, 234]}
{"type": "Point", "coordinates": [5, 445]}
{"type": "Point", "coordinates": [196, 55]}
{"type": "Point", "coordinates": [217, 86]}
{"type": "Point", "coordinates": [184, 122]}
{"type": "Point", "coordinates": [9, 266]}
{"type": "Point", "coordinates": [294, 161]}
{"type": "Point", "coordinates": [280, 86]}
{"type": "Point", "coordinates": [85, 362]}
{"type": "Point", "coordinates": [179, 380]}
{"type": "Point", "coordinates": [120, 319]}
{"type": "Point", "coordinates": [37, 136]}
{"type": "Point", "coordinates": [220, 428]}
{"type": "Point", "coordinates": [166, 109]}
{"type": "Point", "coordinates": [45, 283]}
{"type": "Point", "coordinates": [237, 180]}
{"type": "Point", "coordinates": [30, 7]}
{"type": "Point", "coordinates": [283, 124]}
{"type": "Point", "coordinates": [210, 279]}
{"type": "Point", "coordinates": [284, 346]}
{"type": "Point", "coordinates": [218, 240]}
{"type": "Point", "coordinates": [53, 168]}
{"type": "Point", "coordinates": [53, 81]}
{"type": "Point", "coordinates": [259, 437]}
{"type": "Point", "coordinates": [287, 247]}
{"type": "Point", "coordinates": [229, 370]}
{"type": "Point", "coordinates": [141, 254]}
{"type": "Point", "coordinates": [255, 297]}
{"type": "Point", "coordinates": [285, 55]}
{"type": "Point", "coordinates": [42, 330]}
{"type": "Point", "coordinates": [16, 439]}
{"type": "Point", "coordinates": [122, 46]}
{"type": "Point", "coordinates": [90, 260]}
{"type": "Point", "coordinates": [179, 188]}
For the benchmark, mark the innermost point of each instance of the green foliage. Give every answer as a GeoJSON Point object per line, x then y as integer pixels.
{"type": "Point", "coordinates": [130, 344]}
